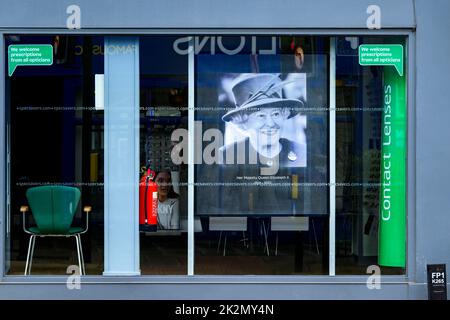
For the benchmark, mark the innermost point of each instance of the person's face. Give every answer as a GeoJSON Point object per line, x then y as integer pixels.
{"type": "Point", "coordinates": [264, 127]}
{"type": "Point", "coordinates": [299, 57]}
{"type": "Point", "coordinates": [163, 181]}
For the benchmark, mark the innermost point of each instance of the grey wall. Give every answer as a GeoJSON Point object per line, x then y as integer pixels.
{"type": "Point", "coordinates": [206, 13]}
{"type": "Point", "coordinates": [205, 291]}
{"type": "Point", "coordinates": [431, 238]}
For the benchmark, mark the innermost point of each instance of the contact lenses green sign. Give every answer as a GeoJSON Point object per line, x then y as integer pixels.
{"type": "Point", "coordinates": [392, 237]}
{"type": "Point", "coordinates": [29, 55]}
{"type": "Point", "coordinates": [382, 55]}
{"type": "Point", "coordinates": [392, 232]}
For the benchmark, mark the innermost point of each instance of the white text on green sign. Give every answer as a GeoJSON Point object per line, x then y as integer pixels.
{"type": "Point", "coordinates": [29, 55]}
{"type": "Point", "coordinates": [382, 55]}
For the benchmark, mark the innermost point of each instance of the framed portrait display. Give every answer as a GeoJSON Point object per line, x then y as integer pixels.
{"type": "Point", "coordinates": [261, 134]}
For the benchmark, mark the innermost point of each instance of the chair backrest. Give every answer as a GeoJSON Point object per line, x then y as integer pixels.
{"type": "Point", "coordinates": [53, 207]}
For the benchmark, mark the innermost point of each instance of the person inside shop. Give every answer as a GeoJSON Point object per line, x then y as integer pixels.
{"type": "Point", "coordinates": [299, 58]}
{"type": "Point", "coordinates": [168, 203]}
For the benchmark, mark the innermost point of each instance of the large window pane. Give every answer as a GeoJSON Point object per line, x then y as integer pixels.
{"type": "Point", "coordinates": [163, 100]}
{"type": "Point", "coordinates": [55, 148]}
{"type": "Point", "coordinates": [363, 128]}
{"type": "Point", "coordinates": [261, 155]}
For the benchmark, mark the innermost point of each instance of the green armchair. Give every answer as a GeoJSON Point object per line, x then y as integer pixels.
{"type": "Point", "coordinates": [53, 209]}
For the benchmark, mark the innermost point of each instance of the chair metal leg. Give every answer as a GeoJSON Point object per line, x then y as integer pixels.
{"type": "Point", "coordinates": [30, 243]}
{"type": "Point", "coordinates": [220, 240]}
{"type": "Point", "coordinates": [225, 245]}
{"type": "Point", "coordinates": [315, 238]}
{"type": "Point", "coordinates": [32, 254]}
{"type": "Point", "coordinates": [265, 238]}
{"type": "Point", "coordinates": [28, 256]}
{"type": "Point", "coordinates": [82, 256]}
{"type": "Point", "coordinates": [276, 244]}
{"type": "Point", "coordinates": [79, 257]}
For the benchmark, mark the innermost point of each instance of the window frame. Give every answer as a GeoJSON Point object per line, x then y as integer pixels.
{"type": "Point", "coordinates": [225, 279]}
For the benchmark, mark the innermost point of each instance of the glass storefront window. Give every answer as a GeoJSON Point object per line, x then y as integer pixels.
{"type": "Point", "coordinates": [163, 99]}
{"type": "Point", "coordinates": [261, 191]}
{"type": "Point", "coordinates": [365, 97]}
{"type": "Point", "coordinates": [55, 156]}
{"type": "Point", "coordinates": [238, 159]}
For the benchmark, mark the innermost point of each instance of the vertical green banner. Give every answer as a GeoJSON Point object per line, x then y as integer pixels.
{"type": "Point", "coordinates": [392, 237]}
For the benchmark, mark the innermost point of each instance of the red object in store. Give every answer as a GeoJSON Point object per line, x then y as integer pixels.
{"type": "Point", "coordinates": [148, 202]}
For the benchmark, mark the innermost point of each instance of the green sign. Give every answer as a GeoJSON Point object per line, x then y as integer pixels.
{"type": "Point", "coordinates": [382, 55]}
{"type": "Point", "coordinates": [392, 237]}
{"type": "Point", "coordinates": [29, 55]}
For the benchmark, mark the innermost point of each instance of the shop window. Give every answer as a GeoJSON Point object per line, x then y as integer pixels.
{"type": "Point", "coordinates": [261, 170]}
{"type": "Point", "coordinates": [243, 141]}
{"type": "Point", "coordinates": [370, 101]}
{"type": "Point", "coordinates": [163, 112]}
{"type": "Point", "coordinates": [55, 156]}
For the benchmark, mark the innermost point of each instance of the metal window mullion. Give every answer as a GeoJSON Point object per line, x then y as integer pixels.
{"type": "Point", "coordinates": [191, 152]}
{"type": "Point", "coordinates": [3, 212]}
{"type": "Point", "coordinates": [332, 158]}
